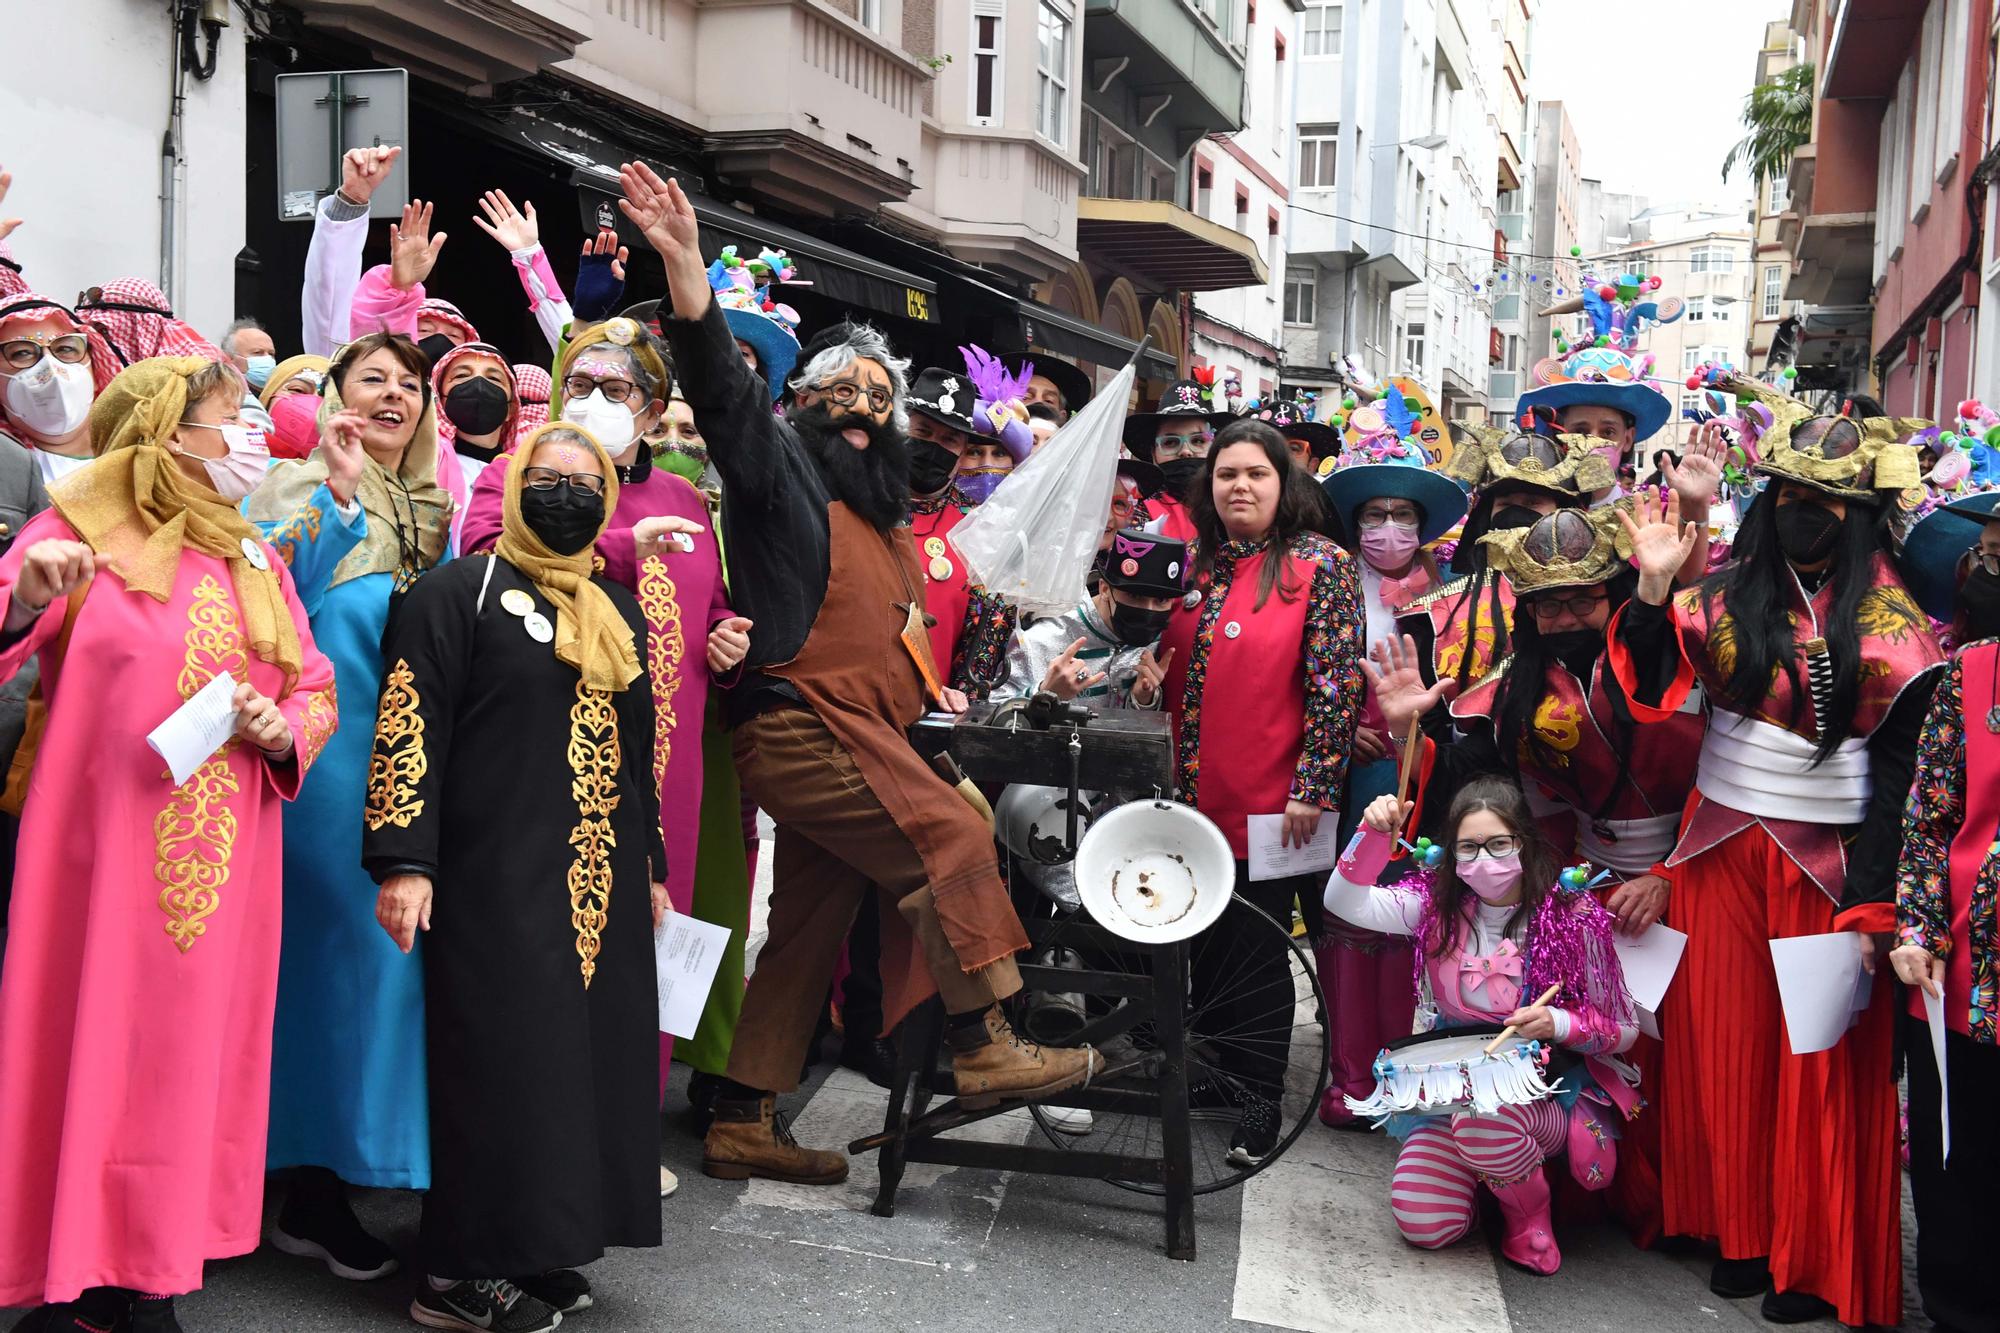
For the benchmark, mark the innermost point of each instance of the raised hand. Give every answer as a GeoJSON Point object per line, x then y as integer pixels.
{"type": "Point", "coordinates": [1065, 679]}
{"type": "Point", "coordinates": [259, 721]}
{"type": "Point", "coordinates": [652, 536]}
{"type": "Point", "coordinates": [1697, 476]}
{"type": "Point", "coordinates": [1385, 814]}
{"type": "Point", "coordinates": [600, 277]}
{"type": "Point", "coordinates": [7, 224]}
{"type": "Point", "coordinates": [1152, 673]}
{"type": "Point", "coordinates": [513, 228]}
{"type": "Point", "coordinates": [340, 447]}
{"type": "Point", "coordinates": [364, 169]}
{"type": "Point", "coordinates": [1395, 672]}
{"type": "Point", "coordinates": [413, 251]}
{"type": "Point", "coordinates": [1661, 543]}
{"type": "Point", "coordinates": [662, 212]}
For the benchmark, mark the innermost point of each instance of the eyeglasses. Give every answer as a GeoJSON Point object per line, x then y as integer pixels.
{"type": "Point", "coordinates": [1578, 604]}
{"type": "Point", "coordinates": [1466, 850]}
{"type": "Point", "coordinates": [1175, 444]}
{"type": "Point", "coordinates": [1986, 560]}
{"type": "Point", "coordinates": [547, 479]}
{"type": "Point", "coordinates": [614, 391]}
{"type": "Point", "coordinates": [72, 349]}
{"type": "Point", "coordinates": [1405, 517]}
{"type": "Point", "coordinates": [846, 393]}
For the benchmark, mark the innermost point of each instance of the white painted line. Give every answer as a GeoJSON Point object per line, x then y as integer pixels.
{"type": "Point", "coordinates": [1318, 1250]}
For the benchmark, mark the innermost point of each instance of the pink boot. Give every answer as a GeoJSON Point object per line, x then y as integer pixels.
{"type": "Point", "coordinates": [1349, 1010]}
{"type": "Point", "coordinates": [1529, 1237]}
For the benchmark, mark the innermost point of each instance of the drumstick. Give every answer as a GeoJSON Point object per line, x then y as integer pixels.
{"type": "Point", "coordinates": [1508, 1031]}
{"type": "Point", "coordinates": [1409, 759]}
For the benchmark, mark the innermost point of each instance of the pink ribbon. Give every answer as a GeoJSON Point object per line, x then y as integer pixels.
{"type": "Point", "coordinates": [1401, 592]}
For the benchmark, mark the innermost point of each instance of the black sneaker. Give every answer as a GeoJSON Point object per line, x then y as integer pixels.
{"type": "Point", "coordinates": [1740, 1279]}
{"type": "Point", "coordinates": [64, 1318]}
{"type": "Point", "coordinates": [490, 1305]}
{"type": "Point", "coordinates": [563, 1290]}
{"type": "Point", "coordinates": [1256, 1131]}
{"type": "Point", "coordinates": [1794, 1307]}
{"type": "Point", "coordinates": [154, 1314]}
{"type": "Point", "coordinates": [322, 1226]}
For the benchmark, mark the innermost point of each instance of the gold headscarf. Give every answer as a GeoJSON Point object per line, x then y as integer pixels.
{"type": "Point", "coordinates": [409, 514]}
{"type": "Point", "coordinates": [290, 366]}
{"type": "Point", "coordinates": [591, 635]}
{"type": "Point", "coordinates": [138, 510]}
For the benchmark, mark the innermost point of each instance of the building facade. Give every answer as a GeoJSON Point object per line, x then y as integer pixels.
{"type": "Point", "coordinates": [1773, 327]}
{"type": "Point", "coordinates": [1507, 308]}
{"type": "Point", "coordinates": [1555, 210]}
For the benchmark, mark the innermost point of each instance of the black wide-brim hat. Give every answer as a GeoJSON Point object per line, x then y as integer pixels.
{"type": "Point", "coordinates": [1074, 386]}
{"type": "Point", "coordinates": [1147, 476]}
{"type": "Point", "coordinates": [1936, 544]}
{"type": "Point", "coordinates": [1183, 399]}
{"type": "Point", "coordinates": [1148, 564]}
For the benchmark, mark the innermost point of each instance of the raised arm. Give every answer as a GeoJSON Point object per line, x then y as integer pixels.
{"type": "Point", "coordinates": [519, 231]}
{"type": "Point", "coordinates": [333, 260]}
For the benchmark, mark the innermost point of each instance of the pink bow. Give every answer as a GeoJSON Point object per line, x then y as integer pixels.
{"type": "Point", "coordinates": [1397, 593]}
{"type": "Point", "coordinates": [1498, 973]}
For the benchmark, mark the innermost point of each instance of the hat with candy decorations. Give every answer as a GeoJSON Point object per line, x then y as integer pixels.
{"type": "Point", "coordinates": [1606, 367]}
{"type": "Point", "coordinates": [744, 291]}
{"type": "Point", "coordinates": [1293, 418]}
{"type": "Point", "coordinates": [1386, 458]}
{"type": "Point", "coordinates": [1571, 548]}
{"type": "Point", "coordinates": [1183, 398]}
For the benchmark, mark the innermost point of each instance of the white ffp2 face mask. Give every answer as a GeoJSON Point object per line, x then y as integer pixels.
{"type": "Point", "coordinates": [610, 424]}
{"type": "Point", "coordinates": [51, 398]}
{"type": "Point", "coordinates": [238, 472]}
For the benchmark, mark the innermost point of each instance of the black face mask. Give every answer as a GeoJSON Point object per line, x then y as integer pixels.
{"type": "Point", "coordinates": [1135, 626]}
{"type": "Point", "coordinates": [931, 467]}
{"type": "Point", "coordinates": [1806, 532]}
{"type": "Point", "coordinates": [1980, 596]}
{"type": "Point", "coordinates": [1180, 474]}
{"type": "Point", "coordinates": [477, 407]}
{"type": "Point", "coordinates": [435, 346]}
{"type": "Point", "coordinates": [1574, 648]}
{"type": "Point", "coordinates": [566, 520]}
{"type": "Point", "coordinates": [1512, 516]}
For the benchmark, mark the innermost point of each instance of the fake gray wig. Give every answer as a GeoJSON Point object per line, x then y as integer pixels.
{"type": "Point", "coordinates": [863, 342]}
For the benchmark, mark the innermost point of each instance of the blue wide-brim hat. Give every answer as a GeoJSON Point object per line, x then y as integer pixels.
{"type": "Point", "coordinates": [1647, 406]}
{"type": "Point", "coordinates": [1932, 551]}
{"type": "Point", "coordinates": [1441, 499]}
{"type": "Point", "coordinates": [777, 350]}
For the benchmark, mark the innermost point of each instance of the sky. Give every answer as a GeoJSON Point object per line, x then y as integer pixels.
{"type": "Point", "coordinates": [1654, 88]}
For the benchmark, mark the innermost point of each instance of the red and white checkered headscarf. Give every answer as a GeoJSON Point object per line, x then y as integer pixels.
{"type": "Point", "coordinates": [27, 305]}
{"type": "Point", "coordinates": [11, 282]}
{"type": "Point", "coordinates": [447, 313]}
{"type": "Point", "coordinates": [134, 315]}
{"type": "Point", "coordinates": [532, 388]}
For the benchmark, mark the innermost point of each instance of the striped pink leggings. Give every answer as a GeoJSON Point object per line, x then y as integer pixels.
{"type": "Point", "coordinates": [1442, 1163]}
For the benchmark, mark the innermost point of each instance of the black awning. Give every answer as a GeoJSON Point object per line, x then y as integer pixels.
{"type": "Point", "coordinates": [834, 271]}
{"type": "Point", "coordinates": [1009, 320]}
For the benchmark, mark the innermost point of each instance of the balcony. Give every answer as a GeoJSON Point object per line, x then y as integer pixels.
{"type": "Point", "coordinates": [1176, 63]}
{"type": "Point", "coordinates": [464, 47]}
{"type": "Point", "coordinates": [997, 199]}
{"type": "Point", "coordinates": [1510, 164]}
{"type": "Point", "coordinates": [1871, 41]}
{"type": "Point", "coordinates": [1166, 247]}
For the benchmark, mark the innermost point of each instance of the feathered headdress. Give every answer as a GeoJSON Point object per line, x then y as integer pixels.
{"type": "Point", "coordinates": [999, 410]}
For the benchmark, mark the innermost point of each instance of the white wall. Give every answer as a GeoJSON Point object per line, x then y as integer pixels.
{"type": "Point", "coordinates": [85, 108]}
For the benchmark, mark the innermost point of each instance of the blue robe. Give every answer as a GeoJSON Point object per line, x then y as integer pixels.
{"type": "Point", "coordinates": [348, 1084]}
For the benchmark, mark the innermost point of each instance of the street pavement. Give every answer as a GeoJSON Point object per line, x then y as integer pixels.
{"type": "Point", "coordinates": [1306, 1245]}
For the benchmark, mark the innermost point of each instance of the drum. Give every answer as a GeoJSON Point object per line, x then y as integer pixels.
{"type": "Point", "coordinates": [1441, 1072]}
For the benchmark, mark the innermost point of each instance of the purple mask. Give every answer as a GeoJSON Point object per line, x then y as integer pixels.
{"type": "Point", "coordinates": [979, 484]}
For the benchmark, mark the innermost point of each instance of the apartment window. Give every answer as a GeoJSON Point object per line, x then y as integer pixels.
{"type": "Point", "coordinates": [1510, 351]}
{"type": "Point", "coordinates": [1052, 74]}
{"type": "Point", "coordinates": [986, 63]}
{"type": "Point", "coordinates": [1892, 183]}
{"type": "Point", "coordinates": [1319, 30]}
{"type": "Point", "coordinates": [1242, 210]}
{"type": "Point", "coordinates": [1951, 82]}
{"type": "Point", "coordinates": [1278, 99]}
{"type": "Point", "coordinates": [1711, 259]}
{"type": "Point", "coordinates": [1690, 358]}
{"type": "Point", "coordinates": [1204, 189]}
{"type": "Point", "coordinates": [1692, 402]}
{"type": "Point", "coordinates": [1319, 151]}
{"type": "Point", "coordinates": [1639, 268]}
{"type": "Point", "coordinates": [1774, 290]}
{"type": "Point", "coordinates": [1301, 295]}
{"type": "Point", "coordinates": [871, 15]}
{"type": "Point", "coordinates": [1697, 309]}
{"type": "Point", "coordinates": [1413, 347]}
{"type": "Point", "coordinates": [1929, 59]}
{"type": "Point", "coordinates": [1777, 193]}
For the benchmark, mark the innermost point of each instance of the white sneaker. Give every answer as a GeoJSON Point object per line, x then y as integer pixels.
{"type": "Point", "coordinates": [1067, 1119]}
{"type": "Point", "coordinates": [669, 1182]}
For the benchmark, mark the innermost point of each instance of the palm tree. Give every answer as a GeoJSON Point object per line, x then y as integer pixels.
{"type": "Point", "coordinates": [1778, 115]}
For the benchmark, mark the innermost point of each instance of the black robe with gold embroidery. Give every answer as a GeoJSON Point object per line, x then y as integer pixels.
{"type": "Point", "coordinates": [528, 800]}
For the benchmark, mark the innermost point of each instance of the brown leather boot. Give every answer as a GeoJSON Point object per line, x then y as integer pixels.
{"type": "Point", "coordinates": [992, 1063]}
{"type": "Point", "coordinates": [751, 1139]}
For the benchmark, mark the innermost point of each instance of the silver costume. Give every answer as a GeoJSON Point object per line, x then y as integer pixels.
{"type": "Point", "coordinates": [1037, 645]}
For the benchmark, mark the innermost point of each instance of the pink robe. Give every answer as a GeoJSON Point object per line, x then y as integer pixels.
{"type": "Point", "coordinates": [141, 969]}
{"type": "Point", "coordinates": [683, 598]}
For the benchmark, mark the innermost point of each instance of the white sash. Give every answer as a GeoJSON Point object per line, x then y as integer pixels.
{"type": "Point", "coordinates": [1768, 771]}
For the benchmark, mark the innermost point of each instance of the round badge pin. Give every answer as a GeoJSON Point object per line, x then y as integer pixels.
{"type": "Point", "coordinates": [933, 546]}
{"type": "Point", "coordinates": [1192, 599]}
{"type": "Point", "coordinates": [538, 627]}
{"type": "Point", "coordinates": [1128, 567]}
{"type": "Point", "coordinates": [253, 551]}
{"type": "Point", "coordinates": [1232, 629]}
{"type": "Point", "coordinates": [515, 602]}
{"type": "Point", "coordinates": [940, 568]}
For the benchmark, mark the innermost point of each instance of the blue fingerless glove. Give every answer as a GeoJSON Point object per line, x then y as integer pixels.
{"type": "Point", "coordinates": [598, 293]}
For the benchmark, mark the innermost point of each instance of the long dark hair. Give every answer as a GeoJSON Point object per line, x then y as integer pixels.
{"type": "Point", "coordinates": [1519, 693]}
{"type": "Point", "coordinates": [1481, 594]}
{"type": "Point", "coordinates": [1755, 592]}
{"type": "Point", "coordinates": [1502, 797]}
{"type": "Point", "coordinates": [1299, 509]}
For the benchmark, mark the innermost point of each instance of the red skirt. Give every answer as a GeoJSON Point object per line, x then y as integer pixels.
{"type": "Point", "coordinates": [1767, 1152]}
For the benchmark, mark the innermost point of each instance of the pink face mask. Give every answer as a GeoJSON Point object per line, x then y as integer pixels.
{"type": "Point", "coordinates": [1491, 877]}
{"type": "Point", "coordinates": [1389, 547]}
{"type": "Point", "coordinates": [295, 424]}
